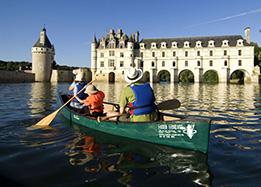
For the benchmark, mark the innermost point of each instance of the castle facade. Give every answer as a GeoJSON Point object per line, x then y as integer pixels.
{"type": "Point", "coordinates": [114, 53]}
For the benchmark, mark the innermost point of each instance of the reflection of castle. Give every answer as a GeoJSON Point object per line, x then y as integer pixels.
{"type": "Point", "coordinates": [116, 52]}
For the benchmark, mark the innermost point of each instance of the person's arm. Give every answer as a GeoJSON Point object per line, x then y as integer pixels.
{"type": "Point", "coordinates": [81, 101]}
{"type": "Point", "coordinates": [71, 86]}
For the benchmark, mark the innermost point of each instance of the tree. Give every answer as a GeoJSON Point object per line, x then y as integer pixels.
{"type": "Point", "coordinates": [186, 76]}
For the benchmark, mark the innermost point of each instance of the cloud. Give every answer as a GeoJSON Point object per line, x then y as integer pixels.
{"type": "Point", "coordinates": [226, 18]}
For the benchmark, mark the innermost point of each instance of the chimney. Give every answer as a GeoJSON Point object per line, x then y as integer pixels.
{"type": "Point", "coordinates": [247, 35]}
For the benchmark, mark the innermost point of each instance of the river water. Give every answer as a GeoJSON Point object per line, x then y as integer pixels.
{"type": "Point", "coordinates": [70, 155]}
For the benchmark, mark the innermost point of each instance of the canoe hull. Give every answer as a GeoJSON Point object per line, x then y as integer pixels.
{"type": "Point", "coordinates": [186, 133]}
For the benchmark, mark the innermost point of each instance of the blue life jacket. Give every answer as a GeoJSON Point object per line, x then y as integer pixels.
{"type": "Point", "coordinates": [81, 95]}
{"type": "Point", "coordinates": [144, 100]}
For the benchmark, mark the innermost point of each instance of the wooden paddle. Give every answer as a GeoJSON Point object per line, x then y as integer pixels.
{"type": "Point", "coordinates": [165, 105]}
{"type": "Point", "coordinates": [48, 119]}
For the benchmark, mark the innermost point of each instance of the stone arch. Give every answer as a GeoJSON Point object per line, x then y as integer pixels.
{"type": "Point", "coordinates": [186, 75]}
{"type": "Point", "coordinates": [111, 77]}
{"type": "Point", "coordinates": [164, 75]}
{"type": "Point", "coordinates": [211, 76]}
{"type": "Point", "coordinates": [239, 76]}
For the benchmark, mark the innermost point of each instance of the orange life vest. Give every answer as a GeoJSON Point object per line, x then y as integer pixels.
{"type": "Point", "coordinates": [96, 102]}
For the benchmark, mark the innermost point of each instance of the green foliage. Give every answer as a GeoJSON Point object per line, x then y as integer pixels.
{"type": "Point", "coordinates": [210, 77]}
{"type": "Point", "coordinates": [12, 66]}
{"type": "Point", "coordinates": [164, 76]}
{"type": "Point", "coordinates": [257, 53]}
{"type": "Point", "coordinates": [186, 76]}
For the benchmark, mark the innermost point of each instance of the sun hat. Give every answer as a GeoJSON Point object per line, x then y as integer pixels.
{"type": "Point", "coordinates": [133, 75]}
{"type": "Point", "coordinates": [91, 89]}
{"type": "Point", "coordinates": [80, 76]}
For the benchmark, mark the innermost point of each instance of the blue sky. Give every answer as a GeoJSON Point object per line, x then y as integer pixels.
{"type": "Point", "coordinates": [71, 24]}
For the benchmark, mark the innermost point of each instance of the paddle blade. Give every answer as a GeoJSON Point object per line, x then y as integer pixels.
{"type": "Point", "coordinates": [169, 104]}
{"type": "Point", "coordinates": [47, 120]}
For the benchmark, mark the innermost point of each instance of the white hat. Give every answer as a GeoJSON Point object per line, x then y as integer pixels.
{"type": "Point", "coordinates": [80, 76]}
{"type": "Point", "coordinates": [91, 89]}
{"type": "Point", "coordinates": [133, 75]}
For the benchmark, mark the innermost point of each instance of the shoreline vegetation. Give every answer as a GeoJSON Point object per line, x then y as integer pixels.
{"type": "Point", "coordinates": [23, 65]}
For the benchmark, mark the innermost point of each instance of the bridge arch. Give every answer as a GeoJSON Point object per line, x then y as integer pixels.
{"type": "Point", "coordinates": [240, 76]}
{"type": "Point", "coordinates": [111, 77]}
{"type": "Point", "coordinates": [211, 76]}
{"type": "Point", "coordinates": [164, 75]}
{"type": "Point", "coordinates": [186, 75]}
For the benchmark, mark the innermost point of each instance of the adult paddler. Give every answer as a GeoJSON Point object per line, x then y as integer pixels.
{"type": "Point", "coordinates": [138, 97]}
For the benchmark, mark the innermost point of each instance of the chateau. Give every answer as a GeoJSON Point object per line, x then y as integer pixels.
{"type": "Point", "coordinates": [114, 53]}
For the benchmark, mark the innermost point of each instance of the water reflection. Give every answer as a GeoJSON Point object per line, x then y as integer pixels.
{"type": "Point", "coordinates": [100, 152]}
{"type": "Point", "coordinates": [42, 98]}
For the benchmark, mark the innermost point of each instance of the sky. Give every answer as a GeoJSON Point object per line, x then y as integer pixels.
{"type": "Point", "coordinates": [71, 24]}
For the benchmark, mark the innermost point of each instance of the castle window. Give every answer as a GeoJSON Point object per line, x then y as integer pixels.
{"type": "Point", "coordinates": [186, 53]}
{"type": "Point", "coordinates": [101, 63]}
{"type": "Point", "coordinates": [163, 45]}
{"type": "Point", "coordinates": [163, 54]}
{"type": "Point", "coordinates": [141, 54]}
{"type": "Point", "coordinates": [174, 53]}
{"type": "Point", "coordinates": [198, 53]}
{"type": "Point", "coordinates": [102, 55]}
{"type": "Point", "coordinates": [240, 42]}
{"type": "Point", "coordinates": [121, 64]}
{"type": "Point", "coordinates": [210, 63]}
{"type": "Point", "coordinates": [111, 63]}
{"type": "Point", "coordinates": [152, 64]}
{"type": "Point", "coordinates": [225, 63]}
{"type": "Point", "coordinates": [239, 62]}
{"type": "Point", "coordinates": [239, 52]}
{"type": "Point", "coordinates": [211, 43]}
{"type": "Point", "coordinates": [121, 54]}
{"type": "Point", "coordinates": [186, 63]}
{"type": "Point", "coordinates": [198, 44]}
{"type": "Point", "coordinates": [111, 53]}
{"type": "Point", "coordinates": [163, 63]}
{"type": "Point", "coordinates": [173, 63]}
{"type": "Point", "coordinates": [225, 43]}
{"type": "Point", "coordinates": [210, 53]}
{"type": "Point", "coordinates": [102, 46]}
{"type": "Point", "coordinates": [198, 63]}
{"type": "Point", "coordinates": [186, 44]}
{"type": "Point", "coordinates": [153, 54]}
{"type": "Point", "coordinates": [154, 45]}
{"type": "Point", "coordinates": [174, 44]}
{"type": "Point", "coordinates": [225, 52]}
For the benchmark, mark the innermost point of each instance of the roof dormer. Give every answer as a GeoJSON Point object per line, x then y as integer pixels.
{"type": "Point", "coordinates": [174, 44]}
{"type": "Point", "coordinates": [211, 43]}
{"type": "Point", "coordinates": [163, 45]}
{"type": "Point", "coordinates": [186, 44]}
{"type": "Point", "coordinates": [240, 42]}
{"type": "Point", "coordinates": [199, 44]}
{"type": "Point", "coordinates": [142, 45]}
{"type": "Point", "coordinates": [225, 43]}
{"type": "Point", "coordinates": [154, 45]}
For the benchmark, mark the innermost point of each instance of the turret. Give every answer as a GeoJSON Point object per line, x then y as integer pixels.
{"type": "Point", "coordinates": [42, 58]}
{"type": "Point", "coordinates": [93, 55]}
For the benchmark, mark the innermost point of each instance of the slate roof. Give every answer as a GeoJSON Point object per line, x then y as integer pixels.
{"type": "Point", "coordinates": [46, 44]}
{"type": "Point", "coordinates": [232, 39]}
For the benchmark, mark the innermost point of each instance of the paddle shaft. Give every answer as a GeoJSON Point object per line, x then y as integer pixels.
{"type": "Point", "coordinates": [100, 119]}
{"type": "Point", "coordinates": [48, 119]}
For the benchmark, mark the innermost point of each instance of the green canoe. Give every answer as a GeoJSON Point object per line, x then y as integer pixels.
{"type": "Point", "coordinates": [187, 133]}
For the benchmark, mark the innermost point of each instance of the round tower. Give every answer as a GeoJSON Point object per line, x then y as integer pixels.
{"type": "Point", "coordinates": [93, 55]}
{"type": "Point", "coordinates": [130, 51]}
{"type": "Point", "coordinates": [42, 58]}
